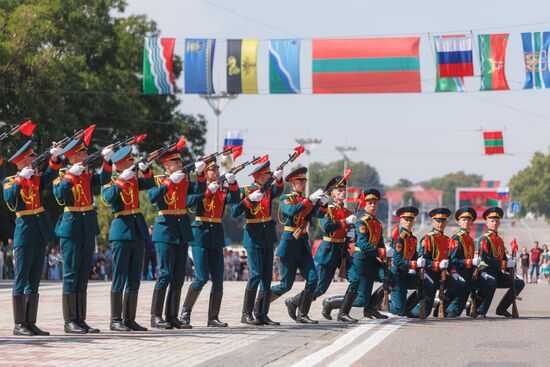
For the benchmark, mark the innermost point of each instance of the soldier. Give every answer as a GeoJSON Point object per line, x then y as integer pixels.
{"type": "Point", "coordinates": [434, 247]}
{"type": "Point", "coordinates": [259, 238]}
{"type": "Point", "coordinates": [127, 235]}
{"type": "Point", "coordinates": [172, 195]}
{"type": "Point", "coordinates": [494, 264]}
{"type": "Point", "coordinates": [405, 261]}
{"type": "Point", "coordinates": [337, 226]}
{"type": "Point", "coordinates": [295, 253]}
{"type": "Point", "coordinates": [33, 230]}
{"type": "Point", "coordinates": [365, 266]}
{"type": "Point", "coordinates": [208, 242]}
{"type": "Point", "coordinates": [77, 228]}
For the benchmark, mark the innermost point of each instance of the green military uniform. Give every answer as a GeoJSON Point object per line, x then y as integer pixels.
{"type": "Point", "coordinates": [128, 234]}
{"type": "Point", "coordinates": [77, 229]}
{"type": "Point", "coordinates": [32, 232]}
{"type": "Point", "coordinates": [259, 238]}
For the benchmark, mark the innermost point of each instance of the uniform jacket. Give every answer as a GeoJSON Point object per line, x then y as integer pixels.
{"type": "Point", "coordinates": [493, 253]}
{"type": "Point", "coordinates": [331, 249]}
{"type": "Point", "coordinates": [405, 256]}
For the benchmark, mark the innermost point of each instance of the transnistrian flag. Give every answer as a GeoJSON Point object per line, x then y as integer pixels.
{"type": "Point", "coordinates": [492, 53]}
{"type": "Point", "coordinates": [535, 55]}
{"type": "Point", "coordinates": [493, 142]}
{"type": "Point", "coordinates": [284, 66]}
{"type": "Point", "coordinates": [455, 84]}
{"type": "Point", "coordinates": [241, 66]}
{"type": "Point", "coordinates": [234, 139]}
{"type": "Point", "coordinates": [489, 183]}
{"type": "Point", "coordinates": [353, 194]}
{"type": "Point", "coordinates": [158, 76]}
{"type": "Point", "coordinates": [199, 58]}
{"type": "Point", "coordinates": [367, 65]}
{"type": "Point", "coordinates": [454, 56]}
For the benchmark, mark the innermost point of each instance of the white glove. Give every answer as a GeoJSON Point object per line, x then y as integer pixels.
{"type": "Point", "coordinates": [77, 169]}
{"type": "Point", "coordinates": [255, 196]}
{"type": "Point", "coordinates": [177, 176]}
{"type": "Point", "coordinates": [127, 174]}
{"type": "Point", "coordinates": [107, 154]}
{"type": "Point", "coordinates": [350, 233]}
{"type": "Point", "coordinates": [278, 174]}
{"type": "Point", "coordinates": [458, 277]}
{"type": "Point", "coordinates": [487, 276]}
{"type": "Point", "coordinates": [351, 219]}
{"type": "Point", "coordinates": [412, 271]}
{"type": "Point", "coordinates": [420, 262]}
{"type": "Point", "coordinates": [230, 177]}
{"type": "Point", "coordinates": [199, 166]}
{"type": "Point", "coordinates": [324, 199]}
{"type": "Point", "coordinates": [427, 277]}
{"type": "Point", "coordinates": [213, 187]}
{"type": "Point", "coordinates": [389, 251]}
{"type": "Point", "coordinates": [316, 196]}
{"type": "Point", "coordinates": [26, 173]}
{"type": "Point", "coordinates": [443, 264]}
{"type": "Point", "coordinates": [511, 263]}
{"type": "Point", "coordinates": [476, 261]}
{"type": "Point", "coordinates": [56, 152]}
{"type": "Point", "coordinates": [143, 166]}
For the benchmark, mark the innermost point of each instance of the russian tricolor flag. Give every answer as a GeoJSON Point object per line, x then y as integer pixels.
{"type": "Point", "coordinates": [234, 139]}
{"type": "Point", "coordinates": [454, 56]}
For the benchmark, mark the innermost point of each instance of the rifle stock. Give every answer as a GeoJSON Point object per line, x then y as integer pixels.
{"type": "Point", "coordinates": [473, 291]}
{"type": "Point", "coordinates": [421, 295]}
{"type": "Point", "coordinates": [515, 313]}
{"type": "Point", "coordinates": [441, 306]}
{"type": "Point", "coordinates": [386, 299]}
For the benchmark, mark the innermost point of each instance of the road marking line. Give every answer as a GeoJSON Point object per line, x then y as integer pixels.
{"type": "Point", "coordinates": [338, 344]}
{"type": "Point", "coordinates": [368, 344]}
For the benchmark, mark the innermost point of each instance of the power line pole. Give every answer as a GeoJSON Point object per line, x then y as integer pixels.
{"type": "Point", "coordinates": [343, 150]}
{"type": "Point", "coordinates": [309, 144]}
{"type": "Point", "coordinates": [218, 102]}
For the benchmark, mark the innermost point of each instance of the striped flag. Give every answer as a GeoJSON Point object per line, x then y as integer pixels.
{"type": "Point", "coordinates": [234, 139]}
{"type": "Point", "coordinates": [503, 193]}
{"type": "Point", "coordinates": [535, 55]}
{"type": "Point", "coordinates": [489, 183]}
{"type": "Point", "coordinates": [455, 84]}
{"type": "Point", "coordinates": [199, 58]}
{"type": "Point", "coordinates": [492, 54]}
{"type": "Point", "coordinates": [454, 56]}
{"type": "Point", "coordinates": [158, 76]}
{"type": "Point", "coordinates": [368, 65]}
{"type": "Point", "coordinates": [493, 142]}
{"type": "Point", "coordinates": [352, 194]}
{"type": "Point", "coordinates": [241, 66]}
{"type": "Point", "coordinates": [284, 66]}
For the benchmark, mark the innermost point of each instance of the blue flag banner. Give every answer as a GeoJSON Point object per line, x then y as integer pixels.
{"type": "Point", "coordinates": [284, 66]}
{"type": "Point", "coordinates": [535, 55]}
{"type": "Point", "coordinates": [199, 58]}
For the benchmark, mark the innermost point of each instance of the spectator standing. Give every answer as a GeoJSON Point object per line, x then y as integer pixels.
{"type": "Point", "coordinates": [536, 253]}
{"type": "Point", "coordinates": [54, 265]}
{"type": "Point", "coordinates": [546, 270]}
{"type": "Point", "coordinates": [524, 260]}
{"type": "Point", "coordinates": [244, 266]}
{"type": "Point", "coordinates": [8, 260]}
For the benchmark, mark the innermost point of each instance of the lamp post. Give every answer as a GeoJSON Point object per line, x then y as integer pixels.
{"type": "Point", "coordinates": [309, 144]}
{"type": "Point", "coordinates": [218, 102]}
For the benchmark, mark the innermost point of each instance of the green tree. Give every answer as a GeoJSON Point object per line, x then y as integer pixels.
{"type": "Point", "coordinates": [531, 186]}
{"type": "Point", "coordinates": [450, 182]}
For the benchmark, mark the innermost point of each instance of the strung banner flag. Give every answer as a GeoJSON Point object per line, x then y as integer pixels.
{"type": "Point", "coordinates": [535, 55]}
{"type": "Point", "coordinates": [241, 66]}
{"type": "Point", "coordinates": [368, 65]}
{"type": "Point", "coordinates": [455, 84]}
{"type": "Point", "coordinates": [503, 193]}
{"type": "Point", "coordinates": [158, 76]}
{"type": "Point", "coordinates": [454, 56]}
{"type": "Point", "coordinates": [493, 142]}
{"type": "Point", "coordinates": [199, 58]}
{"type": "Point", "coordinates": [284, 66]}
{"type": "Point", "coordinates": [234, 139]}
{"type": "Point", "coordinates": [489, 183]}
{"type": "Point", "coordinates": [492, 54]}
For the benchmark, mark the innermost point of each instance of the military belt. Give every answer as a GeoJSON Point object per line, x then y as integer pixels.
{"type": "Point", "coordinates": [30, 212]}
{"type": "Point", "coordinates": [172, 212]}
{"type": "Point", "coordinates": [289, 228]}
{"type": "Point", "coordinates": [259, 220]}
{"type": "Point", "coordinates": [335, 240]}
{"type": "Point", "coordinates": [208, 219]}
{"type": "Point", "coordinates": [78, 208]}
{"type": "Point", "coordinates": [127, 212]}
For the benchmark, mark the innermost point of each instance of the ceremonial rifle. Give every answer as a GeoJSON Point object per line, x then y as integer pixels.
{"type": "Point", "coordinates": [94, 157]}
{"type": "Point", "coordinates": [421, 294]}
{"type": "Point", "coordinates": [150, 157]}
{"type": "Point", "coordinates": [240, 167]}
{"type": "Point", "coordinates": [191, 166]}
{"type": "Point", "coordinates": [291, 158]}
{"type": "Point", "coordinates": [345, 254]}
{"type": "Point", "coordinates": [26, 128]}
{"type": "Point", "coordinates": [473, 288]}
{"type": "Point", "coordinates": [515, 314]}
{"type": "Point", "coordinates": [442, 297]}
{"type": "Point", "coordinates": [386, 286]}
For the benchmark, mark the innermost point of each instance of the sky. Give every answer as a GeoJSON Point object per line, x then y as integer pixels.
{"type": "Point", "coordinates": [415, 136]}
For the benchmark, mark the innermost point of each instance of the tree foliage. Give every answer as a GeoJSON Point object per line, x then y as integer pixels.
{"type": "Point", "coordinates": [531, 186]}
{"type": "Point", "coordinates": [450, 182]}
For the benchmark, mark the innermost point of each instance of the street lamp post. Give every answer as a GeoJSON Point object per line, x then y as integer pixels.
{"type": "Point", "coordinates": [309, 144]}
{"type": "Point", "coordinates": [218, 102]}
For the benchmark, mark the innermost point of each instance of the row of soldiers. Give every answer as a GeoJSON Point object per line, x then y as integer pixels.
{"type": "Point", "coordinates": [350, 243]}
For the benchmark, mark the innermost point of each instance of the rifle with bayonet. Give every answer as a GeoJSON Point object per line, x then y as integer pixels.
{"type": "Point", "coordinates": [25, 128]}
{"type": "Point", "coordinates": [191, 166]}
{"type": "Point", "coordinates": [442, 296]}
{"type": "Point", "coordinates": [421, 294]}
{"type": "Point", "coordinates": [150, 157]}
{"type": "Point", "coordinates": [291, 158]}
{"type": "Point", "coordinates": [473, 288]}
{"type": "Point", "coordinates": [39, 163]}
{"type": "Point", "coordinates": [240, 167]}
{"type": "Point", "coordinates": [96, 156]}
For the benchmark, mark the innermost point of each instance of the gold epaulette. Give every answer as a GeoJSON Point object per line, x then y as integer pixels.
{"type": "Point", "coordinates": [158, 178]}
{"type": "Point", "coordinates": [404, 235]}
{"type": "Point", "coordinates": [366, 217]}
{"type": "Point", "coordinates": [8, 181]}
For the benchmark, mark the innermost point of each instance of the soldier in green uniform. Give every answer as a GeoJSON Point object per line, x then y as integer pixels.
{"type": "Point", "coordinates": [33, 230]}
{"type": "Point", "coordinates": [295, 253]}
{"type": "Point", "coordinates": [127, 235]}
{"type": "Point", "coordinates": [208, 242]}
{"type": "Point", "coordinates": [259, 238]}
{"type": "Point", "coordinates": [495, 265]}
{"type": "Point", "coordinates": [77, 228]}
{"type": "Point", "coordinates": [172, 195]}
